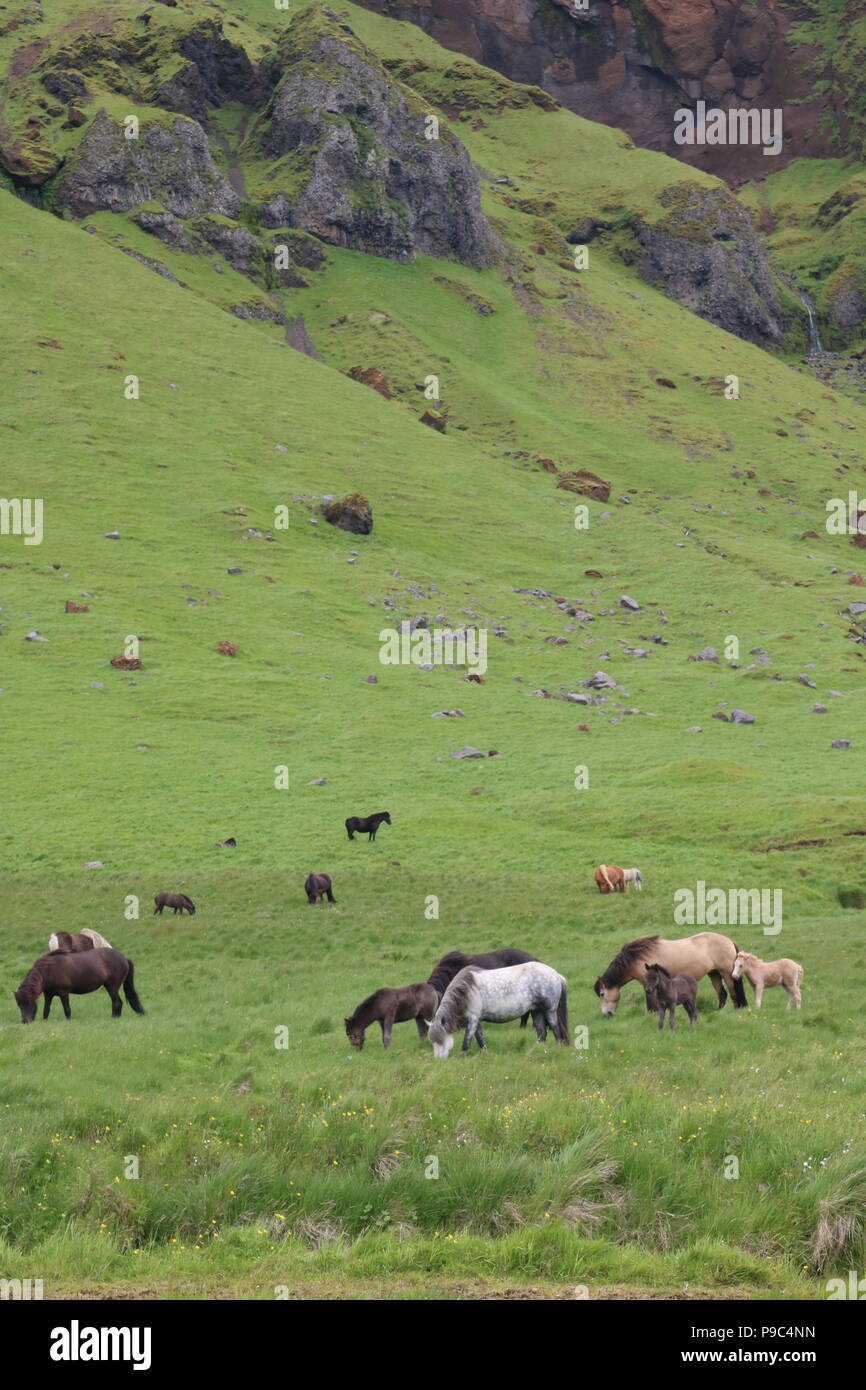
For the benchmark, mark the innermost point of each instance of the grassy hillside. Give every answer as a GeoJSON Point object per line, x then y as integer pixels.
{"type": "Point", "coordinates": [601, 1167]}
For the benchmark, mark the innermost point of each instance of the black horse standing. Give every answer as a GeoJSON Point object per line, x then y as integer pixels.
{"type": "Point", "coordinates": [317, 887]}
{"type": "Point", "coordinates": [366, 825]}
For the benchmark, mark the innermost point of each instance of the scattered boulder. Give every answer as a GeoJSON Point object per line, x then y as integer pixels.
{"type": "Point", "coordinates": [601, 681]}
{"type": "Point", "coordinates": [35, 636]}
{"type": "Point", "coordinates": [629, 603]}
{"type": "Point", "coordinates": [371, 376]}
{"type": "Point", "coordinates": [586, 484]}
{"type": "Point", "coordinates": [841, 743]}
{"type": "Point", "coordinates": [435, 419]}
{"type": "Point", "coordinates": [353, 514]}
{"type": "Point", "coordinates": [739, 716]}
{"type": "Point", "coordinates": [467, 753]}
{"type": "Point", "coordinates": [706, 654]}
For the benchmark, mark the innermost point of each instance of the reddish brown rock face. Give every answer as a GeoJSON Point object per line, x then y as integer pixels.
{"type": "Point", "coordinates": [633, 63]}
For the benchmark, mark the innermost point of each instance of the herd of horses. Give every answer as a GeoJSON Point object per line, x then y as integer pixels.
{"type": "Point", "coordinates": [464, 991]}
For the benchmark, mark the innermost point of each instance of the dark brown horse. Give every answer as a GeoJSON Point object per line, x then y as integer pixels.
{"type": "Point", "coordinates": [179, 901]}
{"type": "Point", "coordinates": [390, 1006]}
{"type": "Point", "coordinates": [455, 961]}
{"type": "Point", "coordinates": [317, 887]}
{"type": "Point", "coordinates": [664, 991]}
{"type": "Point", "coordinates": [63, 973]}
{"type": "Point", "coordinates": [366, 825]}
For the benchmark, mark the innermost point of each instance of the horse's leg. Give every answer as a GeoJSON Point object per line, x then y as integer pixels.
{"type": "Point", "coordinates": [46, 1007]}
{"type": "Point", "coordinates": [759, 993]}
{"type": "Point", "coordinates": [422, 1027]}
{"type": "Point", "coordinates": [692, 1011]}
{"type": "Point", "coordinates": [331, 898]}
{"type": "Point", "coordinates": [553, 1024]}
{"type": "Point", "coordinates": [721, 992]}
{"type": "Point", "coordinates": [64, 999]}
{"type": "Point", "coordinates": [661, 1013]}
{"type": "Point", "coordinates": [672, 1011]}
{"type": "Point", "coordinates": [540, 1023]}
{"type": "Point", "coordinates": [116, 1001]}
{"type": "Point", "coordinates": [473, 1030]}
{"type": "Point", "coordinates": [387, 1026]}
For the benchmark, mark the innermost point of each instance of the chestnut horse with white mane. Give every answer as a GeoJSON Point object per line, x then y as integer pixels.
{"type": "Point", "coordinates": [706, 953]}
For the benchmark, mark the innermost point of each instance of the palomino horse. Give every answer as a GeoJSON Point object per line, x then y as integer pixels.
{"type": "Point", "coordinates": [366, 825]}
{"type": "Point", "coordinates": [86, 940]}
{"type": "Point", "coordinates": [632, 876]}
{"type": "Point", "coordinates": [763, 974]}
{"type": "Point", "coordinates": [706, 953]}
{"type": "Point", "coordinates": [317, 887]}
{"type": "Point", "coordinates": [495, 996]}
{"type": "Point", "coordinates": [64, 972]}
{"type": "Point", "coordinates": [390, 1006]}
{"type": "Point", "coordinates": [609, 878]}
{"type": "Point", "coordinates": [179, 901]}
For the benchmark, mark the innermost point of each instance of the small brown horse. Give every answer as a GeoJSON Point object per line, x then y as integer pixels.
{"type": "Point", "coordinates": [366, 825]}
{"type": "Point", "coordinates": [610, 879]}
{"type": "Point", "coordinates": [179, 901]}
{"type": "Point", "coordinates": [664, 992]}
{"type": "Point", "coordinates": [63, 973]}
{"type": "Point", "coordinates": [705, 953]}
{"type": "Point", "coordinates": [87, 940]}
{"type": "Point", "coordinates": [390, 1006]}
{"type": "Point", "coordinates": [317, 887]}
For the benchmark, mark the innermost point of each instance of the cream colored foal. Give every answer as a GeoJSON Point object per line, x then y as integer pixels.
{"type": "Point", "coordinates": [763, 974]}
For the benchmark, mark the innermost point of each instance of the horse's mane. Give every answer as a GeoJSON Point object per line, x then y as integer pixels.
{"type": "Point", "coordinates": [633, 951]}
{"type": "Point", "coordinates": [455, 996]}
{"type": "Point", "coordinates": [445, 969]}
{"type": "Point", "coordinates": [364, 1004]}
{"type": "Point", "coordinates": [35, 970]}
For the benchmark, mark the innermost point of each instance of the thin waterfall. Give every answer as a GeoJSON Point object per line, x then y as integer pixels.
{"type": "Point", "coordinates": [814, 336]}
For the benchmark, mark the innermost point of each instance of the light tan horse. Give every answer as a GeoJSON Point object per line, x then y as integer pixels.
{"type": "Point", "coordinates": [632, 876]}
{"type": "Point", "coordinates": [609, 878]}
{"type": "Point", "coordinates": [706, 953]}
{"type": "Point", "coordinates": [763, 974]}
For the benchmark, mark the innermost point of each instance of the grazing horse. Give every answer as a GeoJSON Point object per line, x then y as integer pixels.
{"type": "Point", "coordinates": [609, 878]}
{"type": "Point", "coordinates": [665, 991]}
{"type": "Point", "coordinates": [178, 901]}
{"type": "Point", "coordinates": [496, 996]}
{"type": "Point", "coordinates": [87, 940]}
{"type": "Point", "coordinates": [763, 974]}
{"type": "Point", "coordinates": [632, 876]}
{"type": "Point", "coordinates": [455, 961]}
{"type": "Point", "coordinates": [317, 887]}
{"type": "Point", "coordinates": [366, 825]}
{"type": "Point", "coordinates": [63, 973]}
{"type": "Point", "coordinates": [390, 1006]}
{"type": "Point", "coordinates": [706, 953]}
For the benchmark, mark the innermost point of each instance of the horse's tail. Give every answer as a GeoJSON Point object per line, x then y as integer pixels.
{"type": "Point", "coordinates": [562, 1015]}
{"type": "Point", "coordinates": [605, 876]}
{"type": "Point", "coordinates": [740, 999]}
{"type": "Point", "coordinates": [132, 998]}
{"type": "Point", "coordinates": [351, 825]}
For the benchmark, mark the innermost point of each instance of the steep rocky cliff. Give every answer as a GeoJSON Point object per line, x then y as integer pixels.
{"type": "Point", "coordinates": [633, 63]}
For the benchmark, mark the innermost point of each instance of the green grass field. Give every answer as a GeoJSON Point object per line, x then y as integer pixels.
{"type": "Point", "coordinates": [601, 1170]}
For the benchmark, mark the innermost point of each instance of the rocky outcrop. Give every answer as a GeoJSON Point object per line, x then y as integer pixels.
{"type": "Point", "coordinates": [353, 161]}
{"type": "Point", "coordinates": [213, 71]}
{"type": "Point", "coordinates": [706, 253]}
{"type": "Point", "coordinates": [353, 513]}
{"type": "Point", "coordinates": [633, 63]}
{"type": "Point", "coordinates": [168, 163]}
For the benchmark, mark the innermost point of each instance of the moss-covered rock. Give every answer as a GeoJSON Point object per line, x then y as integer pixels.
{"type": "Point", "coordinates": [169, 162]}
{"type": "Point", "coordinates": [358, 159]}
